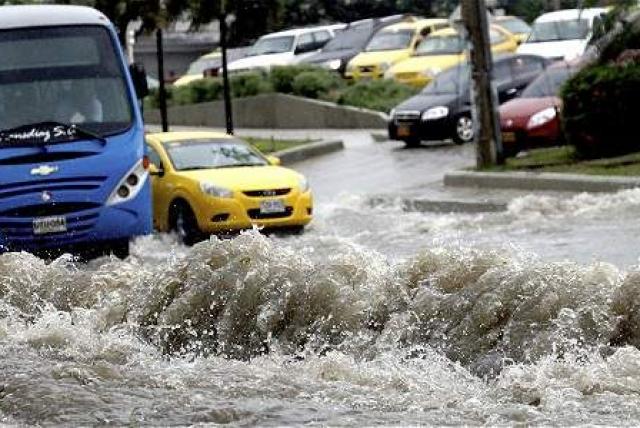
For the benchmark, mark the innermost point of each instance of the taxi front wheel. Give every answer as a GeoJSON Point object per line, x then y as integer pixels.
{"type": "Point", "coordinates": [185, 224]}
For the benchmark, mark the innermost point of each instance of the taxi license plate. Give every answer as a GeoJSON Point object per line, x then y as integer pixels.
{"type": "Point", "coordinates": [404, 131]}
{"type": "Point", "coordinates": [509, 137]}
{"type": "Point", "coordinates": [45, 225]}
{"type": "Point", "coordinates": [272, 207]}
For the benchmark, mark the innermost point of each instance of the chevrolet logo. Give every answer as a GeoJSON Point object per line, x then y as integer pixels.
{"type": "Point", "coordinates": [44, 170]}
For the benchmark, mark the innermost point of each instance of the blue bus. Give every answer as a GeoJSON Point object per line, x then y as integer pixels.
{"type": "Point", "coordinates": [73, 171]}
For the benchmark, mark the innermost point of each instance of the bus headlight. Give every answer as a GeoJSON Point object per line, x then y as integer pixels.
{"type": "Point", "coordinates": [129, 185]}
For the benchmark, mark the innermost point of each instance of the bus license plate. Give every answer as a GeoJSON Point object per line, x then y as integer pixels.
{"type": "Point", "coordinates": [272, 207]}
{"type": "Point", "coordinates": [45, 225]}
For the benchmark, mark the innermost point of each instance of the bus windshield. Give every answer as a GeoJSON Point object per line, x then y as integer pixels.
{"type": "Point", "coordinates": [69, 75]}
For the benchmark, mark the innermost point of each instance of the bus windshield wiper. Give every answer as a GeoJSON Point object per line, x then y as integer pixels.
{"type": "Point", "coordinates": [42, 133]}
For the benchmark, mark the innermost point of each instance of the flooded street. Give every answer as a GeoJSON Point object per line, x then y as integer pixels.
{"type": "Point", "coordinates": [376, 315]}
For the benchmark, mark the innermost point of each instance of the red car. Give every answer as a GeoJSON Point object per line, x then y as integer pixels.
{"type": "Point", "coordinates": [533, 119]}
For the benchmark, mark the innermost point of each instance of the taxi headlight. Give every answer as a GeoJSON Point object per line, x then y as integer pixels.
{"type": "Point", "coordinates": [215, 191]}
{"type": "Point", "coordinates": [431, 72]}
{"type": "Point", "coordinates": [303, 184]}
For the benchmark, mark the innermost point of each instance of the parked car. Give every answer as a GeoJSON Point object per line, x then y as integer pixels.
{"type": "Point", "coordinates": [284, 48]}
{"type": "Point", "coordinates": [389, 46]}
{"type": "Point", "coordinates": [515, 26]}
{"type": "Point", "coordinates": [443, 109]}
{"type": "Point", "coordinates": [564, 34]}
{"type": "Point", "coordinates": [208, 65]}
{"type": "Point", "coordinates": [441, 50]}
{"type": "Point", "coordinates": [207, 182]}
{"type": "Point", "coordinates": [533, 119]}
{"type": "Point", "coordinates": [348, 43]}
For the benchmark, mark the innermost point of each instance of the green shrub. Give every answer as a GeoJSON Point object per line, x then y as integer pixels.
{"type": "Point", "coordinates": [249, 84]}
{"type": "Point", "coordinates": [600, 110]}
{"type": "Point", "coordinates": [381, 95]}
{"type": "Point", "coordinates": [282, 77]}
{"type": "Point", "coordinates": [314, 84]}
{"type": "Point", "coordinates": [199, 91]}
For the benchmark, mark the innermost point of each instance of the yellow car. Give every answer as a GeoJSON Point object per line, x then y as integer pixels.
{"type": "Point", "coordinates": [515, 26]}
{"type": "Point", "coordinates": [198, 67]}
{"type": "Point", "coordinates": [390, 45]}
{"type": "Point", "coordinates": [441, 50]}
{"type": "Point", "coordinates": [206, 182]}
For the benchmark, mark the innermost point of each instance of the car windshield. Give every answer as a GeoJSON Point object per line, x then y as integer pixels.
{"type": "Point", "coordinates": [203, 64]}
{"type": "Point", "coordinates": [390, 40]}
{"type": "Point", "coordinates": [452, 81]}
{"type": "Point", "coordinates": [355, 37]}
{"type": "Point", "coordinates": [551, 31]}
{"type": "Point", "coordinates": [514, 25]}
{"type": "Point", "coordinates": [548, 84]}
{"type": "Point", "coordinates": [66, 75]}
{"type": "Point", "coordinates": [440, 45]}
{"type": "Point", "coordinates": [272, 45]}
{"type": "Point", "coordinates": [212, 153]}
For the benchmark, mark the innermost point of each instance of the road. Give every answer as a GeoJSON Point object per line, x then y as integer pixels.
{"type": "Point", "coordinates": [550, 225]}
{"type": "Point", "coordinates": [376, 315]}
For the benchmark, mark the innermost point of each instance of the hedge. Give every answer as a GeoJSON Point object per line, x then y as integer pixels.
{"type": "Point", "coordinates": [305, 81]}
{"type": "Point", "coordinates": [601, 108]}
{"type": "Point", "coordinates": [381, 95]}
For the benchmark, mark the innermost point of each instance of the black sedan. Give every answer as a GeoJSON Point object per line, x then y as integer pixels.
{"type": "Point", "coordinates": [443, 109]}
{"type": "Point", "coordinates": [348, 43]}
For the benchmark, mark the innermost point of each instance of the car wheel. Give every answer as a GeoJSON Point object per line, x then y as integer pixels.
{"type": "Point", "coordinates": [412, 142]}
{"type": "Point", "coordinates": [120, 249]}
{"type": "Point", "coordinates": [463, 132]}
{"type": "Point", "coordinates": [185, 224]}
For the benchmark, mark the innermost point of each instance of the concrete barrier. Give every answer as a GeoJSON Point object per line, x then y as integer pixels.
{"type": "Point", "coordinates": [308, 151]}
{"type": "Point", "coordinates": [273, 111]}
{"type": "Point", "coordinates": [540, 181]}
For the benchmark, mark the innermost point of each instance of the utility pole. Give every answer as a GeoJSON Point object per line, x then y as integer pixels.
{"type": "Point", "coordinates": [162, 89]}
{"type": "Point", "coordinates": [488, 137]}
{"type": "Point", "coordinates": [225, 73]}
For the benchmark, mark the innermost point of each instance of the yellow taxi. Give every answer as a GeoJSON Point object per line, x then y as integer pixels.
{"type": "Point", "coordinates": [198, 67]}
{"type": "Point", "coordinates": [389, 46]}
{"type": "Point", "coordinates": [206, 182]}
{"type": "Point", "coordinates": [515, 26]}
{"type": "Point", "coordinates": [441, 50]}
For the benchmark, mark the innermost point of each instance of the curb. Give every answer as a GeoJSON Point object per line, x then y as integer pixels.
{"type": "Point", "coordinates": [307, 151]}
{"type": "Point", "coordinates": [540, 181]}
{"type": "Point", "coordinates": [444, 206]}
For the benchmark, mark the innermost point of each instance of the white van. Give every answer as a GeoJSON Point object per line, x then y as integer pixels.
{"type": "Point", "coordinates": [563, 34]}
{"type": "Point", "coordinates": [284, 48]}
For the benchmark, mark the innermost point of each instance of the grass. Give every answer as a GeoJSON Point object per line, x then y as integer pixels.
{"type": "Point", "coordinates": [270, 145]}
{"type": "Point", "coordinates": [564, 159]}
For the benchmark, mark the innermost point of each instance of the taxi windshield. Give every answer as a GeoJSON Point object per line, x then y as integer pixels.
{"type": "Point", "coordinates": [211, 154]}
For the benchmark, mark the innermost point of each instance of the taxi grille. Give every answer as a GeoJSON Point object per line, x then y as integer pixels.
{"type": "Point", "coordinates": [266, 193]}
{"type": "Point", "coordinates": [367, 69]}
{"type": "Point", "coordinates": [406, 76]}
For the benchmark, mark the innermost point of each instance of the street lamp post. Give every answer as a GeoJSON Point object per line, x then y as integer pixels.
{"type": "Point", "coordinates": [225, 73]}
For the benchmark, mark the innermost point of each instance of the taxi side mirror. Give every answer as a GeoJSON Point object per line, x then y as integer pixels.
{"type": "Point", "coordinates": [155, 171]}
{"type": "Point", "coordinates": [274, 160]}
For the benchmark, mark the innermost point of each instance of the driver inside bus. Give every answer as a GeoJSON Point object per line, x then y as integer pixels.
{"type": "Point", "coordinates": [78, 103]}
